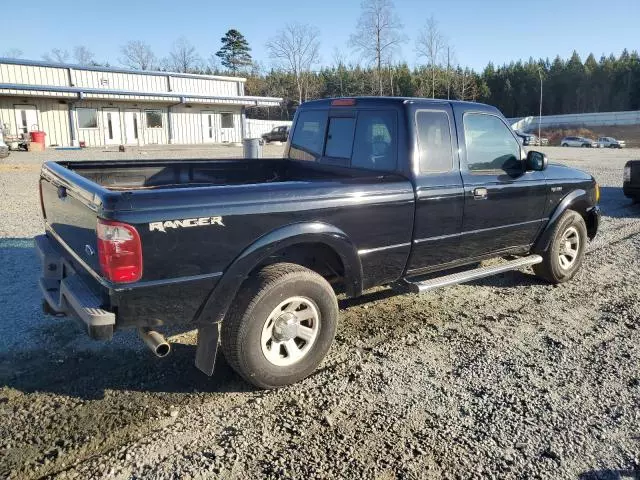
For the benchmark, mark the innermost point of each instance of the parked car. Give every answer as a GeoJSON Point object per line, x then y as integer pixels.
{"type": "Point", "coordinates": [370, 192]}
{"type": "Point", "coordinates": [543, 141]}
{"type": "Point", "coordinates": [578, 142]}
{"type": "Point", "coordinates": [610, 142]}
{"type": "Point", "coordinates": [631, 180]}
{"type": "Point", "coordinates": [278, 134]}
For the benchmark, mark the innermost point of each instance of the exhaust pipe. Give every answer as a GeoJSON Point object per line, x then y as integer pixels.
{"type": "Point", "coordinates": [155, 341]}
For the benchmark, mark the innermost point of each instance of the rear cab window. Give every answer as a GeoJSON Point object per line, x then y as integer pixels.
{"type": "Point", "coordinates": [366, 139]}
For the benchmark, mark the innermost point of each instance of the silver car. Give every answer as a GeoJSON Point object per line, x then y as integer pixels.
{"type": "Point", "coordinates": [578, 142]}
{"type": "Point", "coordinates": [610, 142]}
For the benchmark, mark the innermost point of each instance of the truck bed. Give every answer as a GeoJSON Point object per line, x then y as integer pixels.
{"type": "Point", "coordinates": [137, 175]}
{"type": "Point", "coordinates": [247, 198]}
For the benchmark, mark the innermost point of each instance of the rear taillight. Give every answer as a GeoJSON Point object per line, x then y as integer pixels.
{"type": "Point", "coordinates": [626, 176]}
{"type": "Point", "coordinates": [119, 251]}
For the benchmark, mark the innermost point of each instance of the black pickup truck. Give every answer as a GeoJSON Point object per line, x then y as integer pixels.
{"type": "Point", "coordinates": [631, 180]}
{"type": "Point", "coordinates": [371, 191]}
{"type": "Point", "coordinates": [278, 134]}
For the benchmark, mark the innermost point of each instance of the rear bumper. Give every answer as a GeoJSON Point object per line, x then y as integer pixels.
{"type": "Point", "coordinates": [66, 293]}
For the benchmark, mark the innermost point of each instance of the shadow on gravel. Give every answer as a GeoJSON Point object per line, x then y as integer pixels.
{"type": "Point", "coordinates": [89, 374]}
{"type": "Point", "coordinates": [611, 475]}
{"type": "Point", "coordinates": [614, 204]}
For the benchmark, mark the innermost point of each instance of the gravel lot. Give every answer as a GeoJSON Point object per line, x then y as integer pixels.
{"type": "Point", "coordinates": [502, 378]}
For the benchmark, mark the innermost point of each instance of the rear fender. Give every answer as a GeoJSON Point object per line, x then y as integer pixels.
{"type": "Point", "coordinates": [216, 306]}
{"type": "Point", "coordinates": [578, 200]}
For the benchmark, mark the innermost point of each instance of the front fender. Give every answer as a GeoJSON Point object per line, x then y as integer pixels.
{"type": "Point", "coordinates": [578, 200]}
{"type": "Point", "coordinates": [219, 301]}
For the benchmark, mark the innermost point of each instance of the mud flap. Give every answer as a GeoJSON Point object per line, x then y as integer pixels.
{"type": "Point", "coordinates": [208, 336]}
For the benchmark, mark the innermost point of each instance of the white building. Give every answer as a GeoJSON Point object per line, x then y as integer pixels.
{"type": "Point", "coordinates": [96, 106]}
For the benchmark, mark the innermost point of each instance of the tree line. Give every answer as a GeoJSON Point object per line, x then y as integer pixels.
{"type": "Point", "coordinates": [610, 83]}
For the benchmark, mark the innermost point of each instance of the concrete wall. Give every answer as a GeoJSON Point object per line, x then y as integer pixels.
{"type": "Point", "coordinates": [577, 120]}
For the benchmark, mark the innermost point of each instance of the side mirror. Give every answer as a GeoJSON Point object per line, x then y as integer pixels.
{"type": "Point", "coordinates": [536, 161]}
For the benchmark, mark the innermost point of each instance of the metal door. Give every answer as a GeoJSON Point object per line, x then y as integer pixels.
{"type": "Point", "coordinates": [132, 127]}
{"type": "Point", "coordinates": [209, 128]}
{"type": "Point", "coordinates": [26, 119]}
{"type": "Point", "coordinates": [111, 126]}
{"type": "Point", "coordinates": [504, 204]}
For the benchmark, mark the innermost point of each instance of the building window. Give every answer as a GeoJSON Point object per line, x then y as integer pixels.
{"type": "Point", "coordinates": [87, 117]}
{"type": "Point", "coordinates": [227, 120]}
{"type": "Point", "coordinates": [154, 118]}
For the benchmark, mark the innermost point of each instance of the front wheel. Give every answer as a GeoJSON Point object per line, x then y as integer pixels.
{"type": "Point", "coordinates": [280, 326]}
{"type": "Point", "coordinates": [565, 144]}
{"type": "Point", "coordinates": [563, 258]}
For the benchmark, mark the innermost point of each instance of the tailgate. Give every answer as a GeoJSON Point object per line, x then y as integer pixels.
{"type": "Point", "coordinates": [70, 212]}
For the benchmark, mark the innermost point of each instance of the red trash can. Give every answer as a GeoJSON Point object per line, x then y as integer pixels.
{"type": "Point", "coordinates": [37, 136]}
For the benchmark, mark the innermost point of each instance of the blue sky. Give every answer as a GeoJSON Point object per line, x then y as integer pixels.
{"type": "Point", "coordinates": [479, 30]}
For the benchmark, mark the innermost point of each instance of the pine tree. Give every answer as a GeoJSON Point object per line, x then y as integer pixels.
{"type": "Point", "coordinates": [235, 51]}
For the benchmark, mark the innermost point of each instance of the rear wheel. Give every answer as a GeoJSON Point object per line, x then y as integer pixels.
{"type": "Point", "coordinates": [564, 256]}
{"type": "Point", "coordinates": [280, 326]}
{"type": "Point", "coordinates": [565, 144]}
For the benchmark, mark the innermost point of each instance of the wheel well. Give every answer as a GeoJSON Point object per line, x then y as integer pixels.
{"type": "Point", "coordinates": [318, 257]}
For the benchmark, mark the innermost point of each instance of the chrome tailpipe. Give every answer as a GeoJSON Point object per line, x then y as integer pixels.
{"type": "Point", "coordinates": [155, 341]}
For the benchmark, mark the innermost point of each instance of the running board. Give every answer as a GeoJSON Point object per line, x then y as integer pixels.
{"type": "Point", "coordinates": [470, 275]}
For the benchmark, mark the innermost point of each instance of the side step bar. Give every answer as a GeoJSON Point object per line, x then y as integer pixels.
{"type": "Point", "coordinates": [470, 275]}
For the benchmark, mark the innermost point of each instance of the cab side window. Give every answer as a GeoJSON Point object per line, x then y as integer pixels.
{"type": "Point", "coordinates": [490, 145]}
{"type": "Point", "coordinates": [434, 141]}
{"type": "Point", "coordinates": [308, 137]}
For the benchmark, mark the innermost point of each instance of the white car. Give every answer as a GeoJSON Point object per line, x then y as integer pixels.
{"type": "Point", "coordinates": [578, 142]}
{"type": "Point", "coordinates": [610, 142]}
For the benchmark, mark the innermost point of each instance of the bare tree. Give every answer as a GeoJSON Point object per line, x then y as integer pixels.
{"type": "Point", "coordinates": [450, 72]}
{"type": "Point", "coordinates": [296, 49]}
{"type": "Point", "coordinates": [378, 34]}
{"type": "Point", "coordinates": [56, 55]}
{"type": "Point", "coordinates": [137, 55]}
{"type": "Point", "coordinates": [83, 56]}
{"type": "Point", "coordinates": [431, 46]}
{"type": "Point", "coordinates": [13, 53]}
{"type": "Point", "coordinates": [184, 58]}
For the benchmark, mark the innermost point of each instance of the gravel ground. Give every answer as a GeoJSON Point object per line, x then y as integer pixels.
{"type": "Point", "coordinates": [505, 377]}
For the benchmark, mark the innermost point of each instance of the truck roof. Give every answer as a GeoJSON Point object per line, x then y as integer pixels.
{"type": "Point", "coordinates": [373, 101]}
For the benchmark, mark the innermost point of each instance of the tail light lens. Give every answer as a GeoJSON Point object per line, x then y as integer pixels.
{"type": "Point", "coordinates": [626, 177]}
{"type": "Point", "coordinates": [119, 251]}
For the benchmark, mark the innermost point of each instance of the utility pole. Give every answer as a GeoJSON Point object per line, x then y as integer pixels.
{"type": "Point", "coordinates": [540, 115]}
{"type": "Point", "coordinates": [448, 74]}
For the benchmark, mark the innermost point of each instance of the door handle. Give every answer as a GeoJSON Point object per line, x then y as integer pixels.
{"type": "Point", "coordinates": [480, 193]}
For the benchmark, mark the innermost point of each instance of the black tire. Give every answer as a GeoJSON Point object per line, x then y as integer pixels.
{"type": "Point", "coordinates": [258, 298]}
{"type": "Point", "coordinates": [551, 268]}
{"type": "Point", "coordinates": [565, 144]}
